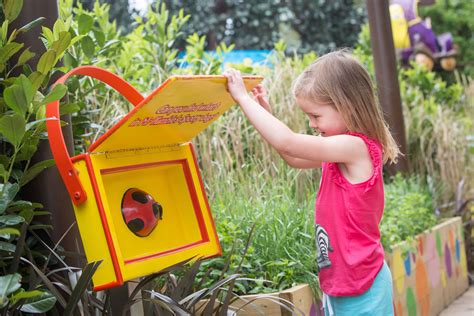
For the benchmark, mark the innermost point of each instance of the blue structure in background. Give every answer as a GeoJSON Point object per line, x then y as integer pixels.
{"type": "Point", "coordinates": [238, 56]}
{"type": "Point", "coordinates": [260, 57]}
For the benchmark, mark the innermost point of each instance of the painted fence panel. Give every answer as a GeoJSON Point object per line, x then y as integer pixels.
{"type": "Point", "coordinates": [433, 274]}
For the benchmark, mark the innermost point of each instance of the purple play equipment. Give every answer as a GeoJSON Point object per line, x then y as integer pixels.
{"type": "Point", "coordinates": [421, 44]}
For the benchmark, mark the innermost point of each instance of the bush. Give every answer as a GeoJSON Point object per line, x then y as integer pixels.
{"type": "Point", "coordinates": [282, 250]}
{"type": "Point", "coordinates": [436, 127]}
{"type": "Point", "coordinates": [24, 255]}
{"type": "Point", "coordinates": [408, 210]}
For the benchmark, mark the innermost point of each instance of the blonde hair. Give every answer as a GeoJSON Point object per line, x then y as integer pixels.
{"type": "Point", "coordinates": [340, 80]}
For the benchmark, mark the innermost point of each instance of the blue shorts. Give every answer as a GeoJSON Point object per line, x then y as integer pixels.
{"type": "Point", "coordinates": [377, 300]}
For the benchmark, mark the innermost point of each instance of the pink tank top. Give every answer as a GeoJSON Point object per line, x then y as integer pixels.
{"type": "Point", "coordinates": [347, 216]}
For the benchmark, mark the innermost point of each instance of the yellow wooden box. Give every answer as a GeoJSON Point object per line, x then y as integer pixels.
{"type": "Point", "coordinates": [148, 150]}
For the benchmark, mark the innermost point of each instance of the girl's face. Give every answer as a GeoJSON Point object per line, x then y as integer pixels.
{"type": "Point", "coordinates": [323, 117]}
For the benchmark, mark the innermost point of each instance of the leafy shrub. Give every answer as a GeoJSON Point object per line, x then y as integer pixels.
{"type": "Point", "coordinates": [23, 258]}
{"type": "Point", "coordinates": [408, 210]}
{"type": "Point", "coordinates": [436, 126]}
{"type": "Point", "coordinates": [282, 250]}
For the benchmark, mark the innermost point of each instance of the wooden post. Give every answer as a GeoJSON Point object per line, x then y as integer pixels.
{"type": "Point", "coordinates": [386, 76]}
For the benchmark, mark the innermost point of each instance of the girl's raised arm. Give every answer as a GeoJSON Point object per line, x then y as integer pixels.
{"type": "Point", "coordinates": [340, 148]}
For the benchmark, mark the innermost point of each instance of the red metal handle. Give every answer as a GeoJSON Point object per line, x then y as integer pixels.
{"type": "Point", "coordinates": [55, 135]}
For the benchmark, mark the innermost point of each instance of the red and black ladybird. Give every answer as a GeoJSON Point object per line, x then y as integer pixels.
{"type": "Point", "coordinates": [140, 211]}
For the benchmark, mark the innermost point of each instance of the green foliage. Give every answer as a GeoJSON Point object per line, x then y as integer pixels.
{"type": "Point", "coordinates": [408, 210]}
{"type": "Point", "coordinates": [22, 126]}
{"type": "Point", "coordinates": [437, 125]}
{"type": "Point", "coordinates": [455, 17]}
{"type": "Point", "coordinates": [120, 11]}
{"type": "Point", "coordinates": [145, 57]}
{"type": "Point", "coordinates": [282, 252]}
{"type": "Point", "coordinates": [312, 25]}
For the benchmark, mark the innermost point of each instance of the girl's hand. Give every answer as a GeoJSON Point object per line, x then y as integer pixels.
{"type": "Point", "coordinates": [235, 84]}
{"type": "Point", "coordinates": [260, 95]}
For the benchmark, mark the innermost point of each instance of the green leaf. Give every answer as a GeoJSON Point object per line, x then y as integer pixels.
{"type": "Point", "coordinates": [88, 46]}
{"type": "Point", "coordinates": [62, 43]}
{"type": "Point", "coordinates": [12, 127]}
{"type": "Point", "coordinates": [4, 31]}
{"type": "Point", "coordinates": [8, 192]}
{"type": "Point", "coordinates": [15, 98]}
{"type": "Point", "coordinates": [3, 172]}
{"type": "Point", "coordinates": [69, 108]}
{"type": "Point", "coordinates": [31, 25]}
{"type": "Point", "coordinates": [47, 62]}
{"type": "Point", "coordinates": [32, 172]}
{"type": "Point", "coordinates": [6, 246]}
{"type": "Point", "coordinates": [32, 124]}
{"type": "Point", "coordinates": [39, 304]}
{"type": "Point", "coordinates": [57, 93]}
{"type": "Point", "coordinates": [59, 27]}
{"type": "Point", "coordinates": [27, 215]}
{"type": "Point", "coordinates": [25, 56]}
{"type": "Point", "coordinates": [10, 220]}
{"type": "Point", "coordinates": [12, 8]}
{"type": "Point", "coordinates": [8, 284]}
{"type": "Point", "coordinates": [19, 205]}
{"type": "Point", "coordinates": [81, 286]}
{"type": "Point", "coordinates": [36, 79]}
{"type": "Point", "coordinates": [29, 146]}
{"type": "Point", "coordinates": [22, 294]}
{"type": "Point", "coordinates": [8, 51]}
{"type": "Point", "coordinates": [48, 34]}
{"type": "Point", "coordinates": [85, 23]}
{"type": "Point", "coordinates": [99, 37]}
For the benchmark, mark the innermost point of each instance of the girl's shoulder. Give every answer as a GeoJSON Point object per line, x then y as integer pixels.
{"type": "Point", "coordinates": [373, 145]}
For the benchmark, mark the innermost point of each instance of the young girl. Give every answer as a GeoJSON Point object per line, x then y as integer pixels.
{"type": "Point", "coordinates": [337, 95]}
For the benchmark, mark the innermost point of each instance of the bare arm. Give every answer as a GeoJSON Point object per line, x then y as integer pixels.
{"type": "Point", "coordinates": [300, 163]}
{"type": "Point", "coordinates": [340, 148]}
{"type": "Point", "coordinates": [261, 97]}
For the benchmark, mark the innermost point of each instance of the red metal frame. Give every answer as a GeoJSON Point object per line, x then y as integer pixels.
{"type": "Point", "coordinates": [55, 135]}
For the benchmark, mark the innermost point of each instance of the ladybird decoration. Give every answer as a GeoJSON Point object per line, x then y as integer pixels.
{"type": "Point", "coordinates": [140, 211]}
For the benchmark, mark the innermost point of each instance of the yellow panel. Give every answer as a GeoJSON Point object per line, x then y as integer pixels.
{"type": "Point", "coordinates": [167, 185]}
{"type": "Point", "coordinates": [171, 178]}
{"type": "Point", "coordinates": [175, 112]}
{"type": "Point", "coordinates": [92, 234]}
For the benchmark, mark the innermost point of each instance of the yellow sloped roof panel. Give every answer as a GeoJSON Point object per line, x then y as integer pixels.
{"type": "Point", "coordinates": [174, 113]}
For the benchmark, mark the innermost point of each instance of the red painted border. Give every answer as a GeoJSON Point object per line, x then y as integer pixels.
{"type": "Point", "coordinates": [105, 224]}
{"type": "Point", "coordinates": [164, 253]}
{"type": "Point", "coordinates": [106, 286]}
{"type": "Point", "coordinates": [191, 146]}
{"type": "Point", "coordinates": [194, 198]}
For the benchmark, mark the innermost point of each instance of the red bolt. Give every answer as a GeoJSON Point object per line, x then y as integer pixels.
{"type": "Point", "coordinates": [77, 195]}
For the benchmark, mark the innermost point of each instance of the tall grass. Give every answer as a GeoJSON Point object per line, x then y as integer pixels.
{"type": "Point", "coordinates": [438, 120]}
{"type": "Point", "coordinates": [282, 248]}
{"type": "Point", "coordinates": [232, 146]}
